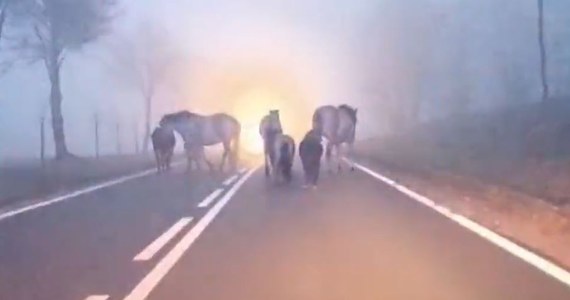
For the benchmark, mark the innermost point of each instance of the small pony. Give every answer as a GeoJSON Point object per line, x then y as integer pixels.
{"type": "Point", "coordinates": [311, 151]}
{"type": "Point", "coordinates": [278, 148]}
{"type": "Point", "coordinates": [163, 142]}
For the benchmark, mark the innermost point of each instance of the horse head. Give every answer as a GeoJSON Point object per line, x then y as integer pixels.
{"type": "Point", "coordinates": [274, 120]}
{"type": "Point", "coordinates": [351, 111]}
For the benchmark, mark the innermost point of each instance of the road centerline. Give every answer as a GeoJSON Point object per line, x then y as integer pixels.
{"type": "Point", "coordinates": [230, 180]}
{"type": "Point", "coordinates": [210, 198]}
{"type": "Point", "coordinates": [150, 251]}
{"type": "Point", "coordinates": [151, 280]}
{"type": "Point", "coordinates": [97, 297]}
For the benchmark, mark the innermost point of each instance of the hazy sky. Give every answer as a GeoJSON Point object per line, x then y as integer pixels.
{"type": "Point", "coordinates": [304, 52]}
{"type": "Point", "coordinates": [305, 39]}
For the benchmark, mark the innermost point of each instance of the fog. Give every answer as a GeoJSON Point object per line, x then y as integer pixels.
{"type": "Point", "coordinates": [399, 62]}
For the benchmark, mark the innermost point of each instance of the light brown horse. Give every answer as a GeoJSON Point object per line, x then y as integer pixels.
{"type": "Point", "coordinates": [338, 126]}
{"type": "Point", "coordinates": [283, 149]}
{"type": "Point", "coordinates": [269, 129]}
{"type": "Point", "coordinates": [209, 130]}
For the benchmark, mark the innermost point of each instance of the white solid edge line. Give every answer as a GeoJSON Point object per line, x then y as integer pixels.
{"type": "Point", "coordinates": [150, 251]}
{"type": "Point", "coordinates": [526, 255]}
{"type": "Point", "coordinates": [230, 180]}
{"type": "Point", "coordinates": [151, 280]}
{"type": "Point", "coordinates": [97, 297]}
{"type": "Point", "coordinates": [76, 193]}
{"type": "Point", "coordinates": [208, 200]}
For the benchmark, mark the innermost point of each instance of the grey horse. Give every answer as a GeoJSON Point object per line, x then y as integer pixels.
{"type": "Point", "coordinates": [338, 126]}
{"type": "Point", "coordinates": [200, 130]}
{"type": "Point", "coordinates": [269, 129]}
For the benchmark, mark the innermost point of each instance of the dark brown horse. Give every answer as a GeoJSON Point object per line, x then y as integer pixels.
{"type": "Point", "coordinates": [163, 142]}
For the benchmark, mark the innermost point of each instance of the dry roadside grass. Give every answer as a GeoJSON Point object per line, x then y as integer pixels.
{"type": "Point", "coordinates": [28, 179]}
{"type": "Point", "coordinates": [508, 169]}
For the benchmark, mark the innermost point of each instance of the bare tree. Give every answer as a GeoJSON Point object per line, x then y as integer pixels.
{"type": "Point", "coordinates": [4, 5]}
{"type": "Point", "coordinates": [144, 59]}
{"type": "Point", "coordinates": [11, 13]}
{"type": "Point", "coordinates": [42, 140]}
{"type": "Point", "coordinates": [57, 27]}
{"type": "Point", "coordinates": [118, 138]}
{"type": "Point", "coordinates": [542, 47]}
{"type": "Point", "coordinates": [6, 8]}
{"type": "Point", "coordinates": [96, 122]}
{"type": "Point", "coordinates": [136, 137]}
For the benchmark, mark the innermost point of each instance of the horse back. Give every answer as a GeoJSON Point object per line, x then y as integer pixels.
{"type": "Point", "coordinates": [266, 126]}
{"type": "Point", "coordinates": [326, 121]}
{"type": "Point", "coordinates": [219, 128]}
{"type": "Point", "coordinates": [284, 144]}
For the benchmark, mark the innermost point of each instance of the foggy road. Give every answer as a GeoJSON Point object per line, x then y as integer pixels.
{"type": "Point", "coordinates": [237, 236]}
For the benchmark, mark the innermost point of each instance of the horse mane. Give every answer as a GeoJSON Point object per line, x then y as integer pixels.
{"type": "Point", "coordinates": [180, 115]}
{"type": "Point", "coordinates": [351, 111]}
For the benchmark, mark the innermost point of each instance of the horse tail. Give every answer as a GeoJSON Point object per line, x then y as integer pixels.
{"type": "Point", "coordinates": [286, 159]}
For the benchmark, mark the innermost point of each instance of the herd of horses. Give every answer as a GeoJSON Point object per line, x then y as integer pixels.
{"type": "Point", "coordinates": [334, 126]}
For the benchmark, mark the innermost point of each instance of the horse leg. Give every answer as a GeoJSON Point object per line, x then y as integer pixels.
{"type": "Point", "coordinates": [168, 160]}
{"type": "Point", "coordinates": [266, 163]}
{"type": "Point", "coordinates": [234, 153]}
{"type": "Point", "coordinates": [198, 165]}
{"type": "Point", "coordinates": [273, 173]}
{"type": "Point", "coordinates": [338, 157]}
{"type": "Point", "coordinates": [225, 155]}
{"type": "Point", "coordinates": [157, 162]}
{"type": "Point", "coordinates": [188, 161]}
{"type": "Point", "coordinates": [210, 165]}
{"type": "Point", "coordinates": [328, 154]}
{"type": "Point", "coordinates": [350, 155]}
{"type": "Point", "coordinates": [204, 159]}
{"type": "Point", "coordinates": [267, 160]}
{"type": "Point", "coordinates": [287, 175]}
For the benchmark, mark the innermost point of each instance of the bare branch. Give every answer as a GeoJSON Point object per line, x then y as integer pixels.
{"type": "Point", "coordinates": [3, 11]}
{"type": "Point", "coordinates": [144, 59]}
{"type": "Point", "coordinates": [40, 38]}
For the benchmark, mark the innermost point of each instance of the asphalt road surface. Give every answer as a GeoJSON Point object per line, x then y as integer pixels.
{"type": "Point", "coordinates": [180, 236]}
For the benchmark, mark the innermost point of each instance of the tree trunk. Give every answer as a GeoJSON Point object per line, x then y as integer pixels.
{"type": "Point", "coordinates": [542, 47]}
{"type": "Point", "coordinates": [42, 142]}
{"type": "Point", "coordinates": [147, 115]}
{"type": "Point", "coordinates": [136, 136]}
{"type": "Point", "coordinates": [118, 136]}
{"type": "Point", "coordinates": [3, 11]}
{"type": "Point", "coordinates": [55, 99]}
{"type": "Point", "coordinates": [97, 136]}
